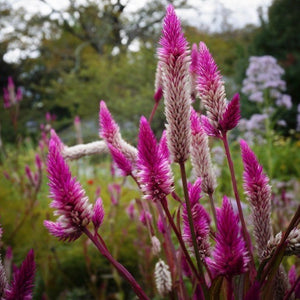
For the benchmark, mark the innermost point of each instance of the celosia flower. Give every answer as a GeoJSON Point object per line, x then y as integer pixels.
{"type": "Point", "coordinates": [160, 225]}
{"type": "Point", "coordinates": [98, 213]}
{"type": "Point", "coordinates": [210, 86]}
{"type": "Point", "coordinates": [258, 191]}
{"type": "Point", "coordinates": [120, 160]}
{"type": "Point", "coordinates": [68, 196]}
{"type": "Point", "coordinates": [201, 220]}
{"type": "Point", "coordinates": [3, 280]}
{"type": "Point", "coordinates": [154, 172]}
{"type": "Point", "coordinates": [110, 132]}
{"type": "Point", "coordinates": [200, 155]}
{"type": "Point", "coordinates": [292, 280]}
{"type": "Point", "coordinates": [230, 253]}
{"type": "Point", "coordinates": [155, 245]}
{"type": "Point", "coordinates": [292, 244]}
{"type": "Point", "coordinates": [23, 279]}
{"type": "Point", "coordinates": [131, 210]}
{"type": "Point", "coordinates": [145, 217]}
{"type": "Point", "coordinates": [162, 278]}
{"type": "Point", "coordinates": [221, 116]}
{"type": "Point", "coordinates": [232, 114]}
{"type": "Point", "coordinates": [176, 86]}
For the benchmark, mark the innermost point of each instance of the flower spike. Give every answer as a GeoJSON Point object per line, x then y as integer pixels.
{"type": "Point", "coordinates": [258, 191]}
{"type": "Point", "coordinates": [68, 197]}
{"type": "Point", "coordinates": [230, 253]}
{"type": "Point", "coordinates": [153, 166]}
{"type": "Point", "coordinates": [174, 59]}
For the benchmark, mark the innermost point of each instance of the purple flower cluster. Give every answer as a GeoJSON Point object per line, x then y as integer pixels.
{"type": "Point", "coordinates": [264, 74]}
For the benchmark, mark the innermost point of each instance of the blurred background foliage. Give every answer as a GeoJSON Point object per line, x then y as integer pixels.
{"type": "Point", "coordinates": [93, 51]}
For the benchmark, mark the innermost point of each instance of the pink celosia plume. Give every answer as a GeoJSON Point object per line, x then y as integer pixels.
{"type": "Point", "coordinates": [210, 86]}
{"type": "Point", "coordinates": [174, 59]}
{"type": "Point", "coordinates": [158, 83]}
{"type": "Point", "coordinates": [22, 283]}
{"type": "Point", "coordinates": [258, 192]}
{"type": "Point", "coordinates": [154, 172]}
{"type": "Point", "coordinates": [232, 114]}
{"type": "Point", "coordinates": [201, 220]}
{"type": "Point", "coordinates": [200, 155]}
{"type": "Point", "coordinates": [68, 197]}
{"type": "Point", "coordinates": [120, 160]}
{"type": "Point", "coordinates": [110, 132]}
{"type": "Point", "coordinates": [230, 256]}
{"type": "Point", "coordinates": [98, 213]}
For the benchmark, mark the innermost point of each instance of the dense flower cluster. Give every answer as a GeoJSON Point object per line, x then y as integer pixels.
{"type": "Point", "coordinates": [265, 74]}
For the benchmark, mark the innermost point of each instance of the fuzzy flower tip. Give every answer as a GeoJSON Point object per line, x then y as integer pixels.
{"type": "Point", "coordinates": [201, 220]}
{"type": "Point", "coordinates": [68, 197]}
{"type": "Point", "coordinates": [210, 86]}
{"type": "Point", "coordinates": [258, 191]}
{"type": "Point", "coordinates": [108, 127]}
{"type": "Point", "coordinates": [120, 160]}
{"type": "Point", "coordinates": [232, 114]}
{"type": "Point", "coordinates": [176, 86]}
{"type": "Point", "coordinates": [110, 132]}
{"type": "Point", "coordinates": [98, 213]}
{"type": "Point", "coordinates": [23, 280]}
{"type": "Point", "coordinates": [230, 253]}
{"type": "Point", "coordinates": [172, 40]}
{"type": "Point", "coordinates": [153, 166]}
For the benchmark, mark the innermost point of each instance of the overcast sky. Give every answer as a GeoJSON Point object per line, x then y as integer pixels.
{"type": "Point", "coordinates": [241, 11]}
{"type": "Point", "coordinates": [208, 13]}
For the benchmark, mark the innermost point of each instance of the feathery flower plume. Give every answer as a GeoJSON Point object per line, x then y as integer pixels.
{"type": "Point", "coordinates": [98, 214]}
{"type": "Point", "coordinates": [293, 279]}
{"type": "Point", "coordinates": [201, 220]}
{"type": "Point", "coordinates": [221, 116]}
{"type": "Point", "coordinates": [120, 160]}
{"type": "Point", "coordinates": [158, 83]}
{"type": "Point", "coordinates": [232, 114]}
{"type": "Point", "coordinates": [230, 253]}
{"type": "Point", "coordinates": [210, 86]}
{"type": "Point", "coordinates": [176, 85]}
{"type": "Point", "coordinates": [200, 155]}
{"type": "Point", "coordinates": [154, 172]}
{"type": "Point", "coordinates": [160, 225]}
{"type": "Point", "coordinates": [23, 279]}
{"type": "Point", "coordinates": [292, 244]}
{"type": "Point", "coordinates": [110, 132]}
{"type": "Point", "coordinates": [162, 278]}
{"type": "Point", "coordinates": [155, 245]}
{"type": "Point", "coordinates": [68, 197]}
{"type": "Point", "coordinates": [3, 280]}
{"type": "Point", "coordinates": [145, 217]}
{"type": "Point", "coordinates": [258, 191]}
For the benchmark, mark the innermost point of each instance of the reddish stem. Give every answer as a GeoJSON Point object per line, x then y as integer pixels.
{"type": "Point", "coordinates": [238, 202]}
{"type": "Point", "coordinates": [153, 111]}
{"type": "Point", "coordinates": [120, 268]}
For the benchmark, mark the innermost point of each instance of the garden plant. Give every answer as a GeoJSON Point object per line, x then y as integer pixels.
{"type": "Point", "coordinates": [202, 244]}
